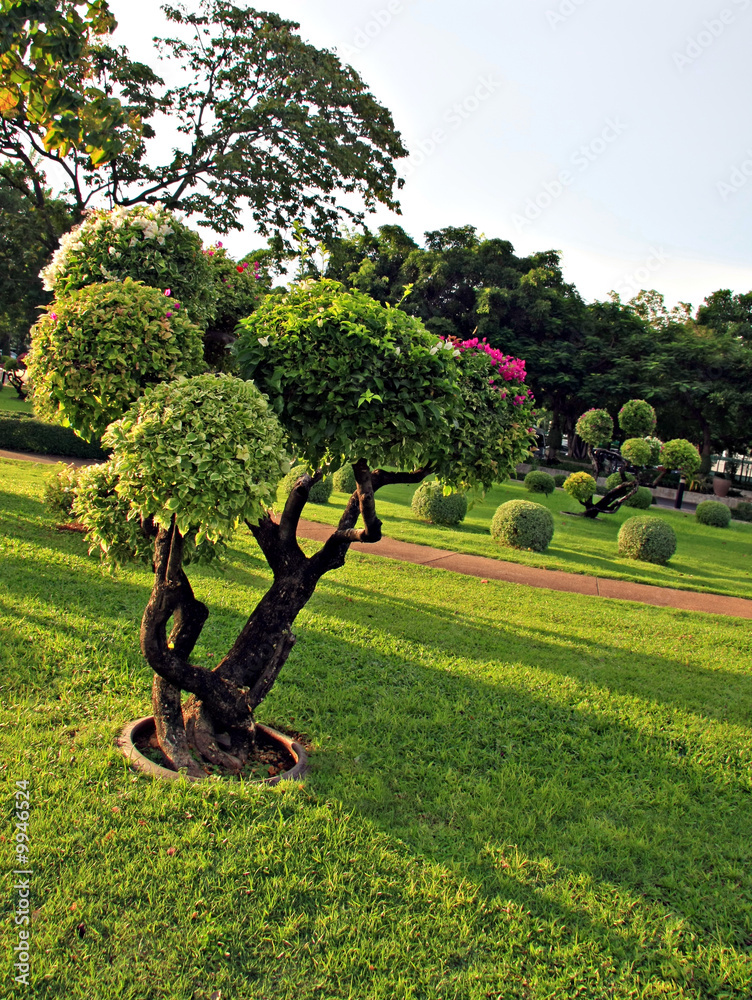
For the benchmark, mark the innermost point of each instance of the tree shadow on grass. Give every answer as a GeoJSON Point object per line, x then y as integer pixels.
{"type": "Point", "coordinates": [677, 683]}
{"type": "Point", "coordinates": [470, 773]}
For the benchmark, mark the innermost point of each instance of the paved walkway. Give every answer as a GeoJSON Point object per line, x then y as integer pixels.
{"type": "Point", "coordinates": [495, 569]}
{"type": "Point", "coordinates": [531, 576]}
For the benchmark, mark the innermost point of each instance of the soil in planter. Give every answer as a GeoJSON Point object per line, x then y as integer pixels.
{"type": "Point", "coordinates": [271, 759]}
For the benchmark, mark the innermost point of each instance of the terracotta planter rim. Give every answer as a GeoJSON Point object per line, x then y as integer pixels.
{"type": "Point", "coordinates": [126, 745]}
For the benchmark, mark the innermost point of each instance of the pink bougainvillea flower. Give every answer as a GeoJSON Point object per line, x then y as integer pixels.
{"type": "Point", "coordinates": [219, 244]}
{"type": "Point", "coordinates": [53, 315]}
{"type": "Point", "coordinates": [210, 253]}
{"type": "Point", "coordinates": [168, 291]}
{"type": "Point", "coordinates": [168, 314]}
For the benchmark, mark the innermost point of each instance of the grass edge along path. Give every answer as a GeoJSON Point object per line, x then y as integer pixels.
{"type": "Point", "coordinates": [531, 576]}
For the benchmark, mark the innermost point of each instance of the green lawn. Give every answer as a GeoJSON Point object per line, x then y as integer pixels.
{"type": "Point", "coordinates": [708, 559]}
{"type": "Point", "coordinates": [10, 403]}
{"type": "Point", "coordinates": [515, 793]}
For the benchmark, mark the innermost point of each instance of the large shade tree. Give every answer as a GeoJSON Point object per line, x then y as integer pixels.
{"type": "Point", "coordinates": [264, 120]}
{"type": "Point", "coordinates": [343, 380]}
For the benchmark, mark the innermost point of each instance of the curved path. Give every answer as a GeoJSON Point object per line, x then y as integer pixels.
{"type": "Point", "coordinates": [495, 569]}
{"type": "Point", "coordinates": [532, 576]}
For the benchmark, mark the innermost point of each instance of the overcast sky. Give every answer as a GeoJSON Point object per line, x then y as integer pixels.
{"type": "Point", "coordinates": [618, 132]}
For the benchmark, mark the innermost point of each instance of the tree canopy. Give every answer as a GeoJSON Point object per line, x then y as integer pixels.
{"type": "Point", "coordinates": [265, 120]}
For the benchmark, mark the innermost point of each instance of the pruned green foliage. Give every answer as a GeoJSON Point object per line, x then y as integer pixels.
{"type": "Point", "coordinates": [95, 351]}
{"type": "Point", "coordinates": [713, 513]}
{"type": "Point", "coordinates": [595, 427]}
{"type": "Point", "coordinates": [430, 503]}
{"type": "Point", "coordinates": [343, 480]}
{"type": "Point", "coordinates": [681, 455]}
{"type": "Point", "coordinates": [637, 451]}
{"type": "Point", "coordinates": [580, 486]}
{"type": "Point", "coordinates": [637, 419]}
{"type": "Point", "coordinates": [522, 524]}
{"type": "Point", "coordinates": [206, 451]}
{"type": "Point", "coordinates": [320, 491]}
{"type": "Point", "coordinates": [351, 379]}
{"type": "Point", "coordinates": [539, 482]}
{"type": "Point", "coordinates": [647, 538]}
{"type": "Point", "coordinates": [145, 242]}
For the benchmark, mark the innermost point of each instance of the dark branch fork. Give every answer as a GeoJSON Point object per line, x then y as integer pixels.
{"type": "Point", "coordinates": [217, 720]}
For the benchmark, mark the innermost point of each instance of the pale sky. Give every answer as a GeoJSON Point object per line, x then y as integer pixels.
{"type": "Point", "coordinates": [618, 132]}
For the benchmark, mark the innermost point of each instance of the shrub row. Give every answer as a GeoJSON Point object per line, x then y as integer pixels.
{"type": "Point", "coordinates": [19, 432]}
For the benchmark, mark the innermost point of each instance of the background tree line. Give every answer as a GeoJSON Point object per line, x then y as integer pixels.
{"type": "Point", "coordinates": [274, 125]}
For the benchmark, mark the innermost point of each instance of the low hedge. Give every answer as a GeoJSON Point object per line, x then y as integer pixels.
{"type": "Point", "coordinates": [20, 432]}
{"type": "Point", "coordinates": [714, 513]}
{"type": "Point", "coordinates": [343, 480]}
{"type": "Point", "coordinates": [522, 524]}
{"type": "Point", "coordinates": [742, 511]}
{"type": "Point", "coordinates": [320, 491]}
{"type": "Point", "coordinates": [647, 538]}
{"type": "Point", "coordinates": [641, 499]}
{"type": "Point", "coordinates": [539, 482]}
{"type": "Point", "coordinates": [429, 503]}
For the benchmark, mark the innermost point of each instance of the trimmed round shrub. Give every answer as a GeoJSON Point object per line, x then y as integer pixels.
{"type": "Point", "coordinates": [580, 486]}
{"type": "Point", "coordinates": [650, 539]}
{"type": "Point", "coordinates": [144, 242]}
{"type": "Point", "coordinates": [95, 351]}
{"type": "Point", "coordinates": [681, 455]}
{"type": "Point", "coordinates": [641, 499]}
{"type": "Point", "coordinates": [320, 491]}
{"type": "Point", "coordinates": [431, 504]}
{"type": "Point", "coordinates": [614, 480]}
{"type": "Point", "coordinates": [595, 427]}
{"type": "Point", "coordinates": [560, 478]}
{"type": "Point", "coordinates": [539, 482]}
{"type": "Point", "coordinates": [742, 511]}
{"type": "Point", "coordinates": [637, 419]}
{"type": "Point", "coordinates": [60, 491]}
{"type": "Point", "coordinates": [637, 451]}
{"type": "Point", "coordinates": [343, 480]}
{"type": "Point", "coordinates": [714, 513]}
{"type": "Point", "coordinates": [207, 451]}
{"type": "Point", "coordinates": [522, 524]}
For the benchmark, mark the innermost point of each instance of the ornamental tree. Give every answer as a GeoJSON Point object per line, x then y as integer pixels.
{"type": "Point", "coordinates": [348, 381]}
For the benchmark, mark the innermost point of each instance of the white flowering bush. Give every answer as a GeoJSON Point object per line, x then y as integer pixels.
{"type": "Point", "coordinates": [145, 242]}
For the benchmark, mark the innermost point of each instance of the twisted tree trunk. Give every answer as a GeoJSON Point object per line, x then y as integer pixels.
{"type": "Point", "coordinates": [215, 725]}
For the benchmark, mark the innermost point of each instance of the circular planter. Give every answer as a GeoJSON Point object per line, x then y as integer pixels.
{"type": "Point", "coordinates": [721, 487]}
{"type": "Point", "coordinates": [144, 729]}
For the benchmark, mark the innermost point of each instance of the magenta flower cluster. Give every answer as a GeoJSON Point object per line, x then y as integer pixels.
{"type": "Point", "coordinates": [508, 368]}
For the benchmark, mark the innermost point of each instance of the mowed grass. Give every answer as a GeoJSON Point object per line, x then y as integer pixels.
{"type": "Point", "coordinates": [515, 793]}
{"type": "Point", "coordinates": [10, 403]}
{"type": "Point", "coordinates": [714, 560]}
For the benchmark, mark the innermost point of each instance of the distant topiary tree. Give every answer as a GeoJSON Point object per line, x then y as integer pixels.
{"type": "Point", "coordinates": [637, 418]}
